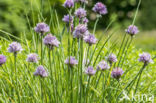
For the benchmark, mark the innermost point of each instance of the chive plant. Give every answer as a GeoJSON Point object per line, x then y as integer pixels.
{"type": "Point", "coordinates": [72, 65]}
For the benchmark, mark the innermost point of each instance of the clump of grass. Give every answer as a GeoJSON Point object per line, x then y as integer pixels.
{"type": "Point", "coordinates": [77, 67]}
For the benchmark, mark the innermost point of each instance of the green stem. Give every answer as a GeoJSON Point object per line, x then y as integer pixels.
{"type": "Point", "coordinates": [87, 89]}
{"type": "Point", "coordinates": [87, 56]}
{"type": "Point", "coordinates": [133, 80]}
{"type": "Point", "coordinates": [126, 51]}
{"type": "Point", "coordinates": [123, 51]}
{"type": "Point", "coordinates": [71, 75]}
{"type": "Point", "coordinates": [51, 72]}
{"type": "Point", "coordinates": [81, 66]}
{"type": "Point", "coordinates": [42, 94]}
{"type": "Point", "coordinates": [41, 50]}
{"type": "Point", "coordinates": [137, 85]}
{"type": "Point", "coordinates": [95, 25]}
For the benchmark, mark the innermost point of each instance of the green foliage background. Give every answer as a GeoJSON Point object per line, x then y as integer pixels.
{"type": "Point", "coordinates": [13, 13]}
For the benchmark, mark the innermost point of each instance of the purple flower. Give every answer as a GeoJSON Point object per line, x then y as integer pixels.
{"type": "Point", "coordinates": [40, 71]}
{"type": "Point", "coordinates": [85, 20]}
{"type": "Point", "coordinates": [69, 4]}
{"type": "Point", "coordinates": [132, 30]}
{"type": "Point", "coordinates": [33, 57]}
{"type": "Point", "coordinates": [71, 61]}
{"type": "Point", "coordinates": [82, 1]}
{"type": "Point", "coordinates": [66, 19]}
{"type": "Point", "coordinates": [42, 28]}
{"type": "Point", "coordinates": [103, 66]}
{"type": "Point", "coordinates": [100, 8]}
{"type": "Point", "coordinates": [2, 59]}
{"type": "Point", "coordinates": [90, 71]}
{"type": "Point", "coordinates": [80, 31]}
{"type": "Point", "coordinates": [51, 41]}
{"type": "Point", "coordinates": [80, 13]}
{"type": "Point", "coordinates": [116, 73]}
{"type": "Point", "coordinates": [14, 47]}
{"type": "Point", "coordinates": [112, 58]}
{"type": "Point", "coordinates": [90, 39]}
{"type": "Point", "coordinates": [145, 58]}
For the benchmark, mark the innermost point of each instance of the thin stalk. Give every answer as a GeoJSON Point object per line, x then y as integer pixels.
{"type": "Point", "coordinates": [87, 55]}
{"type": "Point", "coordinates": [71, 77]}
{"type": "Point", "coordinates": [41, 50]}
{"type": "Point", "coordinates": [100, 40]}
{"type": "Point", "coordinates": [133, 80]}
{"type": "Point", "coordinates": [99, 51]}
{"type": "Point", "coordinates": [81, 66]}
{"type": "Point", "coordinates": [42, 93]}
{"type": "Point", "coordinates": [104, 86]}
{"type": "Point", "coordinates": [126, 51]}
{"type": "Point", "coordinates": [137, 85]}
{"type": "Point", "coordinates": [95, 25]}
{"type": "Point", "coordinates": [87, 89]}
{"type": "Point", "coordinates": [97, 82]}
{"type": "Point", "coordinates": [123, 40]}
{"type": "Point", "coordinates": [123, 51]}
{"type": "Point", "coordinates": [51, 72]}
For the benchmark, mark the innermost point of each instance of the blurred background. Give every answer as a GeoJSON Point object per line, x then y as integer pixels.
{"type": "Point", "coordinates": [17, 16]}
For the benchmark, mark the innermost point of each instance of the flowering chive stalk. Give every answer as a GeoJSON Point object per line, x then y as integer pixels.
{"type": "Point", "coordinates": [14, 48]}
{"type": "Point", "coordinates": [71, 61]}
{"type": "Point", "coordinates": [90, 72]}
{"type": "Point", "coordinates": [42, 28]}
{"type": "Point", "coordinates": [131, 30]}
{"type": "Point", "coordinates": [90, 40]}
{"type": "Point", "coordinates": [40, 71]}
{"type": "Point", "coordinates": [146, 59]}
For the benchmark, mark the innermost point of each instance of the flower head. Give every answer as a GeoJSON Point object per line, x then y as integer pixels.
{"type": "Point", "coordinates": [90, 71]}
{"type": "Point", "coordinates": [2, 59]}
{"type": "Point", "coordinates": [80, 13]}
{"type": "Point", "coordinates": [66, 19]}
{"type": "Point", "coordinates": [90, 39]}
{"type": "Point", "coordinates": [100, 8]}
{"type": "Point", "coordinates": [42, 28]}
{"type": "Point", "coordinates": [80, 31]}
{"type": "Point", "coordinates": [116, 73]}
{"type": "Point", "coordinates": [14, 47]}
{"type": "Point", "coordinates": [40, 71]}
{"type": "Point", "coordinates": [51, 41]}
{"type": "Point", "coordinates": [69, 4]}
{"type": "Point", "coordinates": [71, 61]}
{"type": "Point", "coordinates": [103, 65]}
{"type": "Point", "coordinates": [112, 58]}
{"type": "Point", "coordinates": [132, 30]}
{"type": "Point", "coordinates": [33, 57]}
{"type": "Point", "coordinates": [145, 58]}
